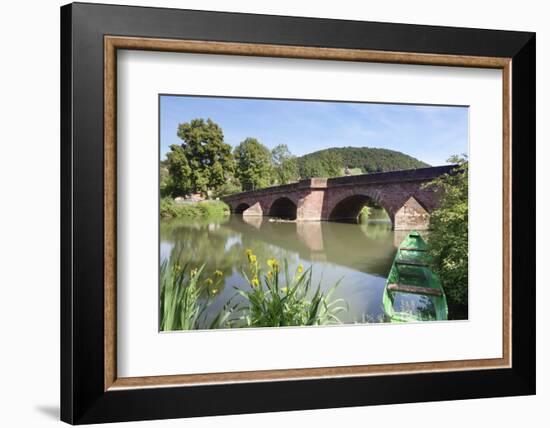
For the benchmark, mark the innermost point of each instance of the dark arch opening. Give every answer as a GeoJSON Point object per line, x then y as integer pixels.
{"type": "Point", "coordinates": [283, 208]}
{"type": "Point", "coordinates": [241, 208]}
{"type": "Point", "coordinates": [348, 210]}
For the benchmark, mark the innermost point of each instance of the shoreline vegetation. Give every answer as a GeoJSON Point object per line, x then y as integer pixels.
{"type": "Point", "coordinates": [448, 238]}
{"type": "Point", "coordinates": [207, 209]}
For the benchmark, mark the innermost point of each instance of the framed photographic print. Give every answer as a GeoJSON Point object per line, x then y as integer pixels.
{"type": "Point", "coordinates": [274, 213]}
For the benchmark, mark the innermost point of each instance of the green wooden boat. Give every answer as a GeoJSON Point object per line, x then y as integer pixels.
{"type": "Point", "coordinates": [413, 292]}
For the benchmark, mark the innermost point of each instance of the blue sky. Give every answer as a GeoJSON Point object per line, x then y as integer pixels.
{"type": "Point", "coordinates": [428, 133]}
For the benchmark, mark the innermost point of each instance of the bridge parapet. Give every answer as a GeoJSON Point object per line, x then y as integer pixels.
{"type": "Point", "coordinates": [284, 188]}
{"type": "Point", "coordinates": [316, 183]}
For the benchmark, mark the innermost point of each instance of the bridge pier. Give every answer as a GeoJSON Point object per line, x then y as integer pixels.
{"type": "Point", "coordinates": [411, 216]}
{"type": "Point", "coordinates": [254, 210]}
{"type": "Point", "coordinates": [311, 203]}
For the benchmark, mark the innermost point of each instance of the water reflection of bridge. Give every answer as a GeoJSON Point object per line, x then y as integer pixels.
{"type": "Point", "coordinates": [366, 247]}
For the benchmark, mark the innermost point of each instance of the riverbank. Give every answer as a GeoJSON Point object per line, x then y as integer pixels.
{"type": "Point", "coordinates": [193, 210]}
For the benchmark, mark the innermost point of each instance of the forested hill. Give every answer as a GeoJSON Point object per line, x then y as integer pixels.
{"type": "Point", "coordinates": [364, 158]}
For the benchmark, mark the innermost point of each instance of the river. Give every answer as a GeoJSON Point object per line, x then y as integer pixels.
{"type": "Point", "coordinates": [357, 255]}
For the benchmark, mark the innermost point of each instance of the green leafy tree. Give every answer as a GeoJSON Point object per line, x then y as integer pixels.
{"type": "Point", "coordinates": [253, 164]}
{"type": "Point", "coordinates": [325, 164]}
{"type": "Point", "coordinates": [202, 162]}
{"type": "Point", "coordinates": [332, 163]}
{"type": "Point", "coordinates": [230, 187]}
{"type": "Point", "coordinates": [164, 176]}
{"type": "Point", "coordinates": [311, 167]}
{"type": "Point", "coordinates": [285, 165]}
{"type": "Point", "coordinates": [178, 181]}
{"type": "Point", "coordinates": [448, 240]}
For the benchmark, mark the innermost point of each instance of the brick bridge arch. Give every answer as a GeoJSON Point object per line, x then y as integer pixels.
{"type": "Point", "coordinates": [347, 207]}
{"type": "Point", "coordinates": [402, 194]}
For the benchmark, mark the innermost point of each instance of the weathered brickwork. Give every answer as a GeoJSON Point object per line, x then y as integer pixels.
{"type": "Point", "coordinates": [402, 194]}
{"type": "Point", "coordinates": [411, 215]}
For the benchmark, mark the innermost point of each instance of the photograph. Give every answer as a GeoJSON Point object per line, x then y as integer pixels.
{"type": "Point", "coordinates": [292, 213]}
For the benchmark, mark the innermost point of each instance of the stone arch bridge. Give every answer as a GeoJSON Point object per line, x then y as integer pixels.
{"type": "Point", "coordinates": [401, 193]}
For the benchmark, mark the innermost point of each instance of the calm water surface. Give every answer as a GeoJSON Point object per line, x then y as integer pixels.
{"type": "Point", "coordinates": [360, 255]}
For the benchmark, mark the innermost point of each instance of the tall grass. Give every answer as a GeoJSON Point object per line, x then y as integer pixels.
{"type": "Point", "coordinates": [185, 296]}
{"type": "Point", "coordinates": [278, 298]}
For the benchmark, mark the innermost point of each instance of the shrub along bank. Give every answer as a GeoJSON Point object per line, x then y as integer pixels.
{"type": "Point", "coordinates": [192, 210]}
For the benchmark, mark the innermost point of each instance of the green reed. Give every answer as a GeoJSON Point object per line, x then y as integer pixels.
{"type": "Point", "coordinates": [185, 295]}
{"type": "Point", "coordinates": [276, 298]}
